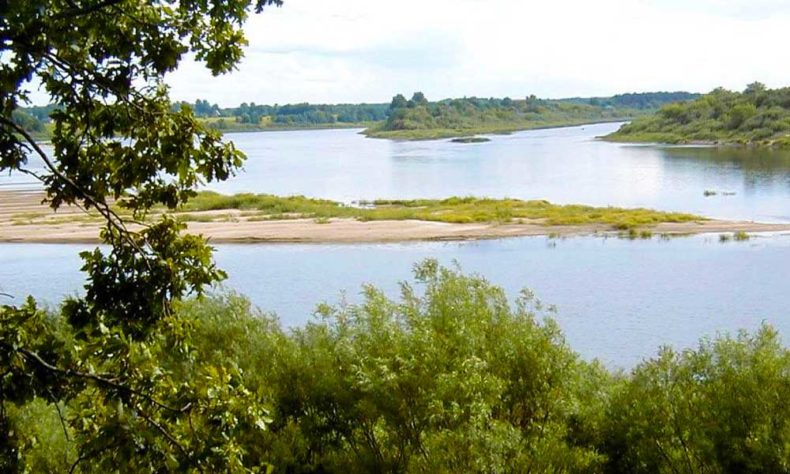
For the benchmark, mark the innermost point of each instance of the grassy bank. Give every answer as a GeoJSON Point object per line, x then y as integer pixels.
{"type": "Point", "coordinates": [451, 210]}
{"type": "Point", "coordinates": [503, 128]}
{"type": "Point", "coordinates": [754, 117]}
{"type": "Point", "coordinates": [651, 137]}
{"type": "Point", "coordinates": [781, 142]}
{"type": "Point", "coordinates": [420, 119]}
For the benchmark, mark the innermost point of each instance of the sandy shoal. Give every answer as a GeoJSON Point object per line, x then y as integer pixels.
{"type": "Point", "coordinates": [16, 225]}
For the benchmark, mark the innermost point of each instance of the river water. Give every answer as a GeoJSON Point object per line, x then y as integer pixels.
{"type": "Point", "coordinates": [617, 300]}
{"type": "Point", "coordinates": [561, 165]}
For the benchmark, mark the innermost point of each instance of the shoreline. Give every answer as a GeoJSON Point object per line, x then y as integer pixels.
{"type": "Point", "coordinates": [392, 134]}
{"type": "Point", "coordinates": [393, 236]}
{"type": "Point", "coordinates": [655, 140]}
{"type": "Point", "coordinates": [69, 225]}
{"type": "Point", "coordinates": [364, 127]}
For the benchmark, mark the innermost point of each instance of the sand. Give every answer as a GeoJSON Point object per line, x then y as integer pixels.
{"type": "Point", "coordinates": [24, 219]}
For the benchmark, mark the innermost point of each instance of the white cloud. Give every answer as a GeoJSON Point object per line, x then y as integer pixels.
{"type": "Point", "coordinates": [738, 9]}
{"type": "Point", "coordinates": [368, 50]}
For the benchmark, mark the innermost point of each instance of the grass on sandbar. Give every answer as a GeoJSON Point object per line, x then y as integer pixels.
{"type": "Point", "coordinates": [451, 210]}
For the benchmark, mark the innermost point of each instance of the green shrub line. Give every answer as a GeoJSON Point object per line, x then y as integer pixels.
{"type": "Point", "coordinates": [420, 119]}
{"type": "Point", "coordinates": [499, 128]}
{"type": "Point", "coordinates": [755, 117]}
{"type": "Point", "coordinates": [454, 376]}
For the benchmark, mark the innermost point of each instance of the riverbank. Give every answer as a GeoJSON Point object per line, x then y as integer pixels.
{"type": "Point", "coordinates": [659, 138]}
{"type": "Point", "coordinates": [24, 219]}
{"type": "Point", "coordinates": [757, 117]}
{"type": "Point", "coordinates": [491, 129]}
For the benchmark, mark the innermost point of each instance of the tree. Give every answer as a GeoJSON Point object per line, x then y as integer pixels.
{"type": "Point", "coordinates": [532, 103]}
{"type": "Point", "coordinates": [755, 88]}
{"type": "Point", "coordinates": [719, 408]}
{"type": "Point", "coordinates": [116, 139]}
{"type": "Point", "coordinates": [448, 378]}
{"type": "Point", "coordinates": [27, 121]}
{"type": "Point", "coordinates": [398, 102]}
{"type": "Point", "coordinates": [418, 99]}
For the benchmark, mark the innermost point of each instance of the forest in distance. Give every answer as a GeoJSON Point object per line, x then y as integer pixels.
{"type": "Point", "coordinates": [448, 116]}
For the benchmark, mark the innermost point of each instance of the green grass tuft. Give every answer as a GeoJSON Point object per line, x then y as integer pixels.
{"type": "Point", "coordinates": [457, 210]}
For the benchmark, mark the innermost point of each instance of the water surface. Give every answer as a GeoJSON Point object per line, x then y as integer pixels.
{"type": "Point", "coordinates": [617, 300]}
{"type": "Point", "coordinates": [563, 165]}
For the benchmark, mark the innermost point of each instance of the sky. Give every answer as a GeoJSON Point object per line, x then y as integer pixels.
{"type": "Point", "coordinates": [369, 50]}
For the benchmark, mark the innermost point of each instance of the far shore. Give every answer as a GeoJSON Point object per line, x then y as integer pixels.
{"type": "Point", "coordinates": [70, 226]}
{"type": "Point", "coordinates": [429, 134]}
{"type": "Point", "coordinates": [370, 130]}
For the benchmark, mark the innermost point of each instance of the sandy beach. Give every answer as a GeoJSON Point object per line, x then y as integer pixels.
{"type": "Point", "coordinates": [23, 218]}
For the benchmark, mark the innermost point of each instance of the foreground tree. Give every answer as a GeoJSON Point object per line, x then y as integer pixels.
{"type": "Point", "coordinates": [116, 140]}
{"type": "Point", "coordinates": [719, 408]}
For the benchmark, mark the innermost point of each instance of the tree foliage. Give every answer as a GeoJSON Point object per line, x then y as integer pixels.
{"type": "Point", "coordinates": [720, 408]}
{"type": "Point", "coordinates": [643, 100]}
{"type": "Point", "coordinates": [115, 138]}
{"type": "Point", "coordinates": [450, 117]}
{"type": "Point", "coordinates": [758, 115]}
{"type": "Point", "coordinates": [252, 116]}
{"type": "Point", "coordinates": [303, 114]}
{"type": "Point", "coordinates": [454, 376]}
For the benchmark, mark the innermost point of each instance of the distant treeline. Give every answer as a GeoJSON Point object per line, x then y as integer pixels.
{"type": "Point", "coordinates": [291, 114]}
{"type": "Point", "coordinates": [252, 115]}
{"type": "Point", "coordinates": [640, 100]}
{"type": "Point", "coordinates": [33, 119]}
{"type": "Point", "coordinates": [419, 118]}
{"type": "Point", "coordinates": [757, 115]}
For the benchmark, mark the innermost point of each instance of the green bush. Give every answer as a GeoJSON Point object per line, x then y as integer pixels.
{"type": "Point", "coordinates": [720, 408]}
{"type": "Point", "coordinates": [454, 377]}
{"type": "Point", "coordinates": [758, 115]}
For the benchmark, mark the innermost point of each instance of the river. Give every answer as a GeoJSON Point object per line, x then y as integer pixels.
{"type": "Point", "coordinates": [617, 300]}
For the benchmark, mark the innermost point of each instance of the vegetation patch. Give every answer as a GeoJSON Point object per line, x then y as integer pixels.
{"type": "Point", "coordinates": [419, 119]}
{"type": "Point", "coordinates": [451, 210]}
{"type": "Point", "coordinates": [454, 377]}
{"type": "Point", "coordinates": [757, 116]}
{"type": "Point", "coordinates": [741, 236]}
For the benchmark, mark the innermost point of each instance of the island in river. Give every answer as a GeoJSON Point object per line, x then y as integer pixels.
{"type": "Point", "coordinates": [420, 119]}
{"type": "Point", "coordinates": [265, 218]}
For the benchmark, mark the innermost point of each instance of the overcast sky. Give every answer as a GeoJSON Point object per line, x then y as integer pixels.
{"type": "Point", "coordinates": [368, 50]}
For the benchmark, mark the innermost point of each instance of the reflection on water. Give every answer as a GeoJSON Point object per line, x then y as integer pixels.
{"type": "Point", "coordinates": [566, 165]}
{"type": "Point", "coordinates": [617, 300]}
{"type": "Point", "coordinates": [759, 167]}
